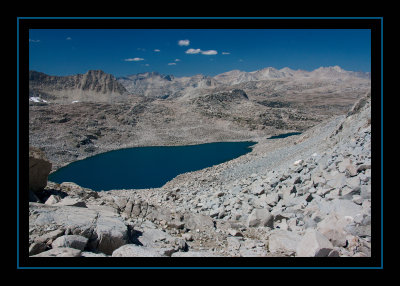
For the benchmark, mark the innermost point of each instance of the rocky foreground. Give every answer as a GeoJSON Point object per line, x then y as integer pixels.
{"type": "Point", "coordinates": [305, 195]}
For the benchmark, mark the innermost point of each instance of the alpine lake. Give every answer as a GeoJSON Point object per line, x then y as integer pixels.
{"type": "Point", "coordinates": [146, 167]}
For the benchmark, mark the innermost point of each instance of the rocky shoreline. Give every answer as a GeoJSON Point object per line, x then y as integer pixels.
{"type": "Point", "coordinates": [307, 195]}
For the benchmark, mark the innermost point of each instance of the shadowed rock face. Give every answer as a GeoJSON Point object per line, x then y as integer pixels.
{"type": "Point", "coordinates": [39, 169]}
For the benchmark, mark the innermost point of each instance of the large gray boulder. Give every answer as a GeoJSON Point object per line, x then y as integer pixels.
{"type": "Point", "coordinates": [39, 169]}
{"type": "Point", "coordinates": [132, 250]}
{"type": "Point", "coordinates": [332, 227]}
{"type": "Point", "coordinates": [283, 241]}
{"type": "Point", "coordinates": [313, 244]}
{"type": "Point", "coordinates": [260, 217]}
{"type": "Point", "coordinates": [71, 241]}
{"type": "Point", "coordinates": [73, 202]}
{"type": "Point", "coordinates": [105, 231]}
{"type": "Point", "coordinates": [60, 252]}
{"type": "Point", "coordinates": [198, 221]}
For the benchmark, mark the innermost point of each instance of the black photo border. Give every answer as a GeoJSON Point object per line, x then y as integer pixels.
{"type": "Point", "coordinates": [375, 24]}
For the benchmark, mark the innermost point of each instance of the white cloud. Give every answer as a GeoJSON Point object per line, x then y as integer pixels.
{"type": "Point", "coordinates": [156, 50]}
{"type": "Point", "coordinates": [193, 51]}
{"type": "Point", "coordinates": [226, 53]}
{"type": "Point", "coordinates": [183, 42]}
{"type": "Point", "coordinates": [34, 41]}
{"type": "Point", "coordinates": [197, 51]}
{"type": "Point", "coordinates": [68, 38]}
{"type": "Point", "coordinates": [172, 64]}
{"type": "Point", "coordinates": [209, 52]}
{"type": "Point", "coordinates": [134, 59]}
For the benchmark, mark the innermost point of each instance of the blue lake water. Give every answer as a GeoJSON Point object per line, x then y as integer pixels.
{"type": "Point", "coordinates": [146, 167]}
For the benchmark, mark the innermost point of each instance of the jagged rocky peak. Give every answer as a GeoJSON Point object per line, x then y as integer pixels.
{"type": "Point", "coordinates": [79, 87]}
{"type": "Point", "coordinates": [99, 81]}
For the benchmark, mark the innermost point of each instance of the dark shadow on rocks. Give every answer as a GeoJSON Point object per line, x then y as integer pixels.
{"type": "Point", "coordinates": [46, 193]}
{"type": "Point", "coordinates": [133, 235]}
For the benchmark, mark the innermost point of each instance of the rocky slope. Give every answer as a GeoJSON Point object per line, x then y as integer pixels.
{"type": "Point", "coordinates": [304, 195]}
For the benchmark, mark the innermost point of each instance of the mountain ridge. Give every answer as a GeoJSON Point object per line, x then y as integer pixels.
{"type": "Point", "coordinates": [93, 85]}
{"type": "Point", "coordinates": [96, 85]}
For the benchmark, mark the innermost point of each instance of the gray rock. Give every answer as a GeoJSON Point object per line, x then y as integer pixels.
{"type": "Point", "coordinates": [283, 241]}
{"type": "Point", "coordinates": [53, 199]}
{"type": "Point", "coordinates": [49, 237]}
{"type": "Point", "coordinates": [198, 221]}
{"type": "Point", "coordinates": [92, 254]}
{"type": "Point", "coordinates": [74, 190]}
{"type": "Point", "coordinates": [187, 236]}
{"type": "Point", "coordinates": [318, 180]}
{"type": "Point", "coordinates": [351, 170]}
{"type": "Point", "coordinates": [235, 232]}
{"type": "Point", "coordinates": [336, 180]}
{"type": "Point", "coordinates": [36, 248]}
{"type": "Point", "coordinates": [332, 227]}
{"type": "Point", "coordinates": [132, 250]}
{"type": "Point", "coordinates": [343, 165]}
{"type": "Point", "coordinates": [313, 244]}
{"type": "Point", "coordinates": [257, 190]}
{"type": "Point", "coordinates": [359, 230]}
{"type": "Point", "coordinates": [111, 233]}
{"type": "Point", "coordinates": [120, 202]}
{"type": "Point", "coordinates": [104, 230]}
{"type": "Point", "coordinates": [260, 217]}
{"type": "Point", "coordinates": [71, 241]}
{"type": "Point", "coordinates": [353, 182]}
{"type": "Point", "coordinates": [60, 252]}
{"type": "Point", "coordinates": [334, 253]}
{"type": "Point", "coordinates": [357, 199]}
{"type": "Point", "coordinates": [195, 254]}
{"type": "Point", "coordinates": [363, 167]}
{"type": "Point", "coordinates": [73, 202]}
{"type": "Point", "coordinates": [39, 169]}
{"type": "Point", "coordinates": [151, 237]}
{"type": "Point", "coordinates": [348, 193]}
{"type": "Point", "coordinates": [272, 199]}
{"type": "Point", "coordinates": [340, 207]}
{"type": "Point", "coordinates": [346, 208]}
{"type": "Point", "coordinates": [233, 243]}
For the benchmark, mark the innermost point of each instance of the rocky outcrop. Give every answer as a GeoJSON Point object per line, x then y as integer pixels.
{"type": "Point", "coordinates": [39, 169]}
{"type": "Point", "coordinates": [105, 231]}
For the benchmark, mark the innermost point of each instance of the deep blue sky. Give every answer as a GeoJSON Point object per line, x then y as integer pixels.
{"type": "Point", "coordinates": [125, 52]}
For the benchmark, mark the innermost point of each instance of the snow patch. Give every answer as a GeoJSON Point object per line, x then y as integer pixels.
{"type": "Point", "coordinates": [36, 99]}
